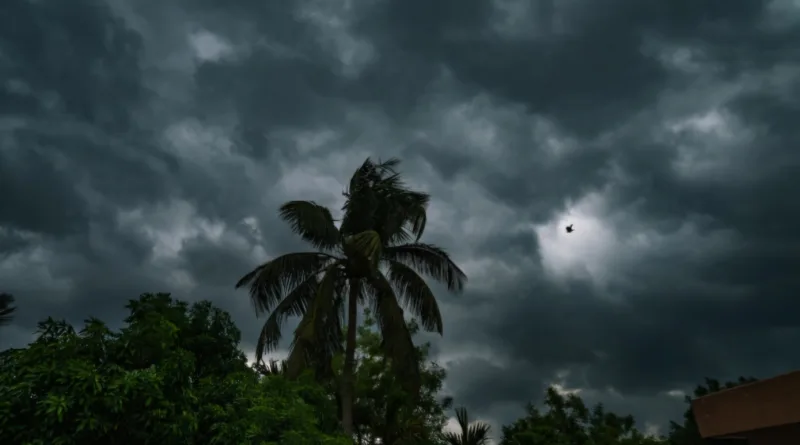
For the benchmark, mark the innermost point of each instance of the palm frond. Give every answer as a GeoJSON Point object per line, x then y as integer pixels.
{"type": "Point", "coordinates": [311, 344]}
{"type": "Point", "coordinates": [479, 433]}
{"type": "Point", "coordinates": [401, 213]}
{"type": "Point", "coordinates": [7, 308]}
{"type": "Point", "coordinates": [476, 433]}
{"type": "Point", "coordinates": [396, 338]}
{"type": "Point", "coordinates": [401, 216]}
{"type": "Point", "coordinates": [362, 178]}
{"type": "Point", "coordinates": [301, 351]}
{"type": "Point", "coordinates": [377, 199]}
{"type": "Point", "coordinates": [331, 334]}
{"type": "Point", "coordinates": [452, 438]}
{"type": "Point", "coordinates": [359, 208]}
{"type": "Point", "coordinates": [416, 296]}
{"type": "Point", "coordinates": [375, 171]}
{"type": "Point", "coordinates": [271, 367]}
{"type": "Point", "coordinates": [274, 279]}
{"type": "Point", "coordinates": [313, 222]}
{"type": "Point", "coordinates": [296, 303]}
{"type": "Point", "coordinates": [429, 260]}
{"type": "Point", "coordinates": [462, 417]}
{"type": "Point", "coordinates": [325, 309]}
{"type": "Point", "coordinates": [418, 217]}
{"type": "Point", "coordinates": [387, 166]}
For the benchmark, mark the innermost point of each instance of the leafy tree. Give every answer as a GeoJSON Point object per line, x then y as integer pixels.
{"type": "Point", "coordinates": [476, 433]}
{"type": "Point", "coordinates": [688, 432]}
{"type": "Point", "coordinates": [374, 256]}
{"type": "Point", "coordinates": [384, 409]}
{"type": "Point", "coordinates": [7, 308]}
{"type": "Point", "coordinates": [171, 375]}
{"type": "Point", "coordinates": [568, 421]}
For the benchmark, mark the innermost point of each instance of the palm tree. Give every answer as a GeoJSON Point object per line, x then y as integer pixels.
{"type": "Point", "coordinates": [373, 257]}
{"type": "Point", "coordinates": [270, 368]}
{"type": "Point", "coordinates": [476, 433]}
{"type": "Point", "coordinates": [7, 308]}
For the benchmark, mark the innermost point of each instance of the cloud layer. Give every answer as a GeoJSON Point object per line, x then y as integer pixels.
{"type": "Point", "coordinates": [147, 146]}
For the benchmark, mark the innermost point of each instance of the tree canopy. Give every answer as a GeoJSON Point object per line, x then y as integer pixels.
{"type": "Point", "coordinates": [566, 420]}
{"type": "Point", "coordinates": [384, 410]}
{"type": "Point", "coordinates": [171, 375]}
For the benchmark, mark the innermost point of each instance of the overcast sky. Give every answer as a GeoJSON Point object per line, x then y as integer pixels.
{"type": "Point", "coordinates": [146, 145]}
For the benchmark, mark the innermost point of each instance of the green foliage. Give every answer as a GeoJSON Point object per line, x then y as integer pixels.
{"type": "Point", "coordinates": [475, 433]}
{"type": "Point", "coordinates": [171, 375]}
{"type": "Point", "coordinates": [568, 421]}
{"type": "Point", "coordinates": [688, 432]}
{"type": "Point", "coordinates": [384, 409]}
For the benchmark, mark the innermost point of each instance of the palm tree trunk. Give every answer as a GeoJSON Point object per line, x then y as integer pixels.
{"type": "Point", "coordinates": [348, 383]}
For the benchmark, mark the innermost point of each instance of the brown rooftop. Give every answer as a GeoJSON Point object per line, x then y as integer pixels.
{"type": "Point", "coordinates": [768, 403]}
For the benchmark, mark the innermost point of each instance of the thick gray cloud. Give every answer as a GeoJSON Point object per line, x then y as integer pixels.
{"type": "Point", "coordinates": [145, 146]}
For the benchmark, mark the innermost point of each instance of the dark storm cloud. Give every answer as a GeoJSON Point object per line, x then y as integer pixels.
{"type": "Point", "coordinates": [283, 93]}
{"type": "Point", "coordinates": [589, 77]}
{"type": "Point", "coordinates": [587, 60]}
{"type": "Point", "coordinates": [470, 377]}
{"type": "Point", "coordinates": [70, 80]}
{"type": "Point", "coordinates": [71, 154]}
{"type": "Point", "coordinates": [716, 316]}
{"type": "Point", "coordinates": [82, 145]}
{"type": "Point", "coordinates": [133, 160]}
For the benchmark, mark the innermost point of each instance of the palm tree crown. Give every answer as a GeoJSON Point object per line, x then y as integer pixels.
{"type": "Point", "coordinates": [373, 257]}
{"type": "Point", "coordinates": [476, 433]}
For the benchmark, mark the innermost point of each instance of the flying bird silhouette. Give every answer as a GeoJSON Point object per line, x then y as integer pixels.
{"type": "Point", "coordinates": [570, 229]}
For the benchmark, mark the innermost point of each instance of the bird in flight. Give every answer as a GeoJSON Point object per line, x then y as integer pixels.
{"type": "Point", "coordinates": [570, 229]}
